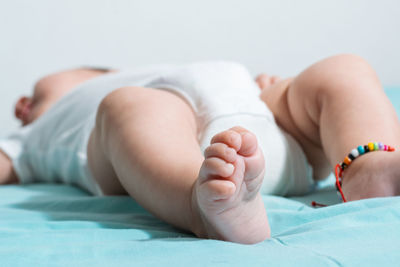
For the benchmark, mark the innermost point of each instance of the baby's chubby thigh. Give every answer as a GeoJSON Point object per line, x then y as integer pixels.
{"type": "Point", "coordinates": [286, 169]}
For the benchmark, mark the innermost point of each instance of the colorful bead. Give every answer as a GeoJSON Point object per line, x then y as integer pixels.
{"type": "Point", "coordinates": [381, 146]}
{"type": "Point", "coordinates": [343, 166]}
{"type": "Point", "coordinates": [360, 150]}
{"type": "Point", "coordinates": [376, 146]}
{"type": "Point", "coordinates": [371, 146]}
{"type": "Point", "coordinates": [347, 160]}
{"type": "Point", "coordinates": [354, 153]}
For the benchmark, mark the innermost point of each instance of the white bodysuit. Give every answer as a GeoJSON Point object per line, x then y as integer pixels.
{"type": "Point", "coordinates": [222, 95]}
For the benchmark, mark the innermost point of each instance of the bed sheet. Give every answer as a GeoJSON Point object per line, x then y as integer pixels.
{"type": "Point", "coordinates": [59, 225]}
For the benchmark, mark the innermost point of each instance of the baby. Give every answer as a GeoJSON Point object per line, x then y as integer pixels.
{"type": "Point", "coordinates": [196, 144]}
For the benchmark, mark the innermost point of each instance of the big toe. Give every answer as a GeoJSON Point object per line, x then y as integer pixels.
{"type": "Point", "coordinates": [248, 142]}
{"type": "Point", "coordinates": [252, 154]}
{"type": "Point", "coordinates": [231, 138]}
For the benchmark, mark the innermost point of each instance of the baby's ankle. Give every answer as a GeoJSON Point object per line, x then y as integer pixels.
{"type": "Point", "coordinates": [372, 175]}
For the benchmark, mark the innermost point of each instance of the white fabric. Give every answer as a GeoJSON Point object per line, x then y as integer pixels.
{"type": "Point", "coordinates": [222, 94]}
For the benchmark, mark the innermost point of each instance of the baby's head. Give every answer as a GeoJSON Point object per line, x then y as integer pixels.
{"type": "Point", "coordinates": [50, 89]}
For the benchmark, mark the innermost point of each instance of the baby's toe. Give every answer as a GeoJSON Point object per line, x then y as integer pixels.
{"type": "Point", "coordinates": [229, 137]}
{"type": "Point", "coordinates": [222, 151]}
{"type": "Point", "coordinates": [218, 189]}
{"type": "Point", "coordinates": [248, 141]}
{"type": "Point", "coordinates": [215, 167]}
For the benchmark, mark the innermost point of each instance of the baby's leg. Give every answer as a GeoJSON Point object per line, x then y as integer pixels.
{"type": "Point", "coordinates": [145, 142]}
{"type": "Point", "coordinates": [334, 106]}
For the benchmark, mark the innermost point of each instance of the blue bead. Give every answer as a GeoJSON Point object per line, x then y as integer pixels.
{"type": "Point", "coordinates": [361, 149]}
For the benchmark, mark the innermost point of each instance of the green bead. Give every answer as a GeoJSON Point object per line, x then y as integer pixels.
{"type": "Point", "coordinates": [376, 146]}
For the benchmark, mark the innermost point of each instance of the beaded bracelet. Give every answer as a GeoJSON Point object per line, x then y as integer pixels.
{"type": "Point", "coordinates": [355, 153]}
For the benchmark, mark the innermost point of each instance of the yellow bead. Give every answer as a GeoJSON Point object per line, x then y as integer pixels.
{"type": "Point", "coordinates": [371, 146]}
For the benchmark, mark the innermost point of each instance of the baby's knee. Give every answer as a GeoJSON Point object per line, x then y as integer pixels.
{"type": "Point", "coordinates": [334, 75]}
{"type": "Point", "coordinates": [114, 106]}
{"type": "Point", "coordinates": [345, 64]}
{"type": "Point", "coordinates": [117, 99]}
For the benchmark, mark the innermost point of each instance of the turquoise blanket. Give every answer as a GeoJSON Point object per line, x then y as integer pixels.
{"type": "Point", "coordinates": [59, 225]}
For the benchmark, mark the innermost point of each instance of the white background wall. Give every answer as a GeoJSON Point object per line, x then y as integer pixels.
{"type": "Point", "coordinates": [283, 37]}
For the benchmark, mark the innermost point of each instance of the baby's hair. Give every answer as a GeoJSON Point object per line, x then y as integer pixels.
{"type": "Point", "coordinates": [99, 69]}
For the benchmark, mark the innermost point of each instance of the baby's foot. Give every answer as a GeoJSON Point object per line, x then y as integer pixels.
{"type": "Point", "coordinates": [264, 80]}
{"type": "Point", "coordinates": [226, 193]}
{"type": "Point", "coordinates": [376, 174]}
